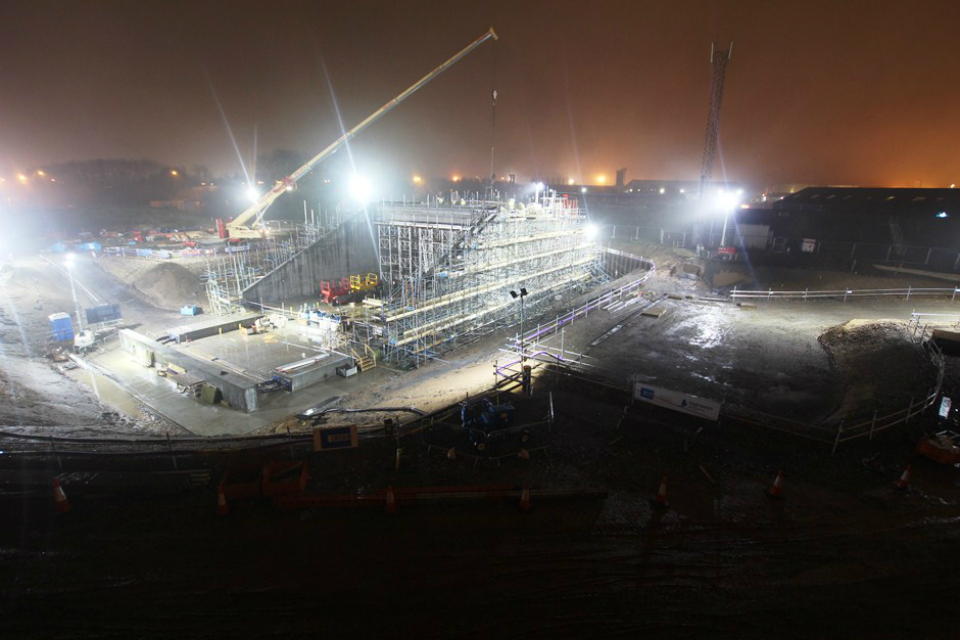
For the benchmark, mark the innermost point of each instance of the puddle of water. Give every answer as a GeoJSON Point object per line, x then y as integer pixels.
{"type": "Point", "coordinates": [108, 392]}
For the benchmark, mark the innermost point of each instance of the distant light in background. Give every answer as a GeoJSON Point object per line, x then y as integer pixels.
{"type": "Point", "coordinates": [22, 178]}
{"type": "Point", "coordinates": [952, 185]}
{"type": "Point", "coordinates": [583, 189]}
{"type": "Point", "coordinates": [942, 214]}
{"type": "Point", "coordinates": [456, 178]}
{"type": "Point", "coordinates": [570, 181]}
{"type": "Point", "coordinates": [360, 188]}
{"type": "Point", "coordinates": [662, 191]}
{"type": "Point", "coordinates": [40, 172]}
{"type": "Point", "coordinates": [417, 179]}
{"type": "Point", "coordinates": [601, 179]}
{"type": "Point", "coordinates": [174, 173]}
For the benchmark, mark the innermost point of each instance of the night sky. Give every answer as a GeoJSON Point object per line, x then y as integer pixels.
{"type": "Point", "coordinates": [830, 92]}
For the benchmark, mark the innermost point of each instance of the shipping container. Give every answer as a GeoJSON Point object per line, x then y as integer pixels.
{"type": "Point", "coordinates": [103, 313]}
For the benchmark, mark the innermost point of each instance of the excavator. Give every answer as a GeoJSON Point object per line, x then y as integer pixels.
{"type": "Point", "coordinates": [249, 224]}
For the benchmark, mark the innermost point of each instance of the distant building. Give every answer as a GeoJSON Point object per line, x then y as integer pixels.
{"type": "Point", "coordinates": [923, 217]}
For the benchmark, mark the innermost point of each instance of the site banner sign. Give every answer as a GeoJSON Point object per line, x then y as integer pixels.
{"type": "Point", "coordinates": [685, 403]}
{"type": "Point", "coordinates": [327, 438]}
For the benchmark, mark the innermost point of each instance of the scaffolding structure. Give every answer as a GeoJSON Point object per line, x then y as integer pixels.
{"type": "Point", "coordinates": [447, 271]}
{"type": "Point", "coordinates": [227, 275]}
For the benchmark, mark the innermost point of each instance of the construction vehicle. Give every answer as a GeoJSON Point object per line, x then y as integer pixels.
{"type": "Point", "coordinates": [240, 226]}
{"type": "Point", "coordinates": [483, 418]}
{"type": "Point", "coordinates": [942, 447]}
{"type": "Point", "coordinates": [332, 291]}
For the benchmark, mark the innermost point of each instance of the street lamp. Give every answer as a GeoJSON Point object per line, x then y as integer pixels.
{"type": "Point", "coordinates": [73, 290]}
{"type": "Point", "coordinates": [521, 295]}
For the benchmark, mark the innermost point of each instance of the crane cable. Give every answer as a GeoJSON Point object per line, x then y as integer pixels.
{"type": "Point", "coordinates": [493, 114]}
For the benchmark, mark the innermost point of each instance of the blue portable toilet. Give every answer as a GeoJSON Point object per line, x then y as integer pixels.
{"type": "Point", "coordinates": [62, 326]}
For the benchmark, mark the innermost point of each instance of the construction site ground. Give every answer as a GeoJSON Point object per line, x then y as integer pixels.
{"type": "Point", "coordinates": [724, 560]}
{"type": "Point", "coordinates": [844, 554]}
{"type": "Point", "coordinates": [769, 358]}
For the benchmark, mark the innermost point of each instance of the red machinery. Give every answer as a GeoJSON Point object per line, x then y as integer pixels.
{"type": "Point", "coordinates": [330, 291]}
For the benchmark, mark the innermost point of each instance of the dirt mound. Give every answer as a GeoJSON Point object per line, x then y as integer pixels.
{"type": "Point", "coordinates": [883, 367]}
{"type": "Point", "coordinates": [169, 286]}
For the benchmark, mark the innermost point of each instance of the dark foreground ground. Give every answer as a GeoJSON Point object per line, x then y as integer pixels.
{"type": "Point", "coordinates": [844, 555]}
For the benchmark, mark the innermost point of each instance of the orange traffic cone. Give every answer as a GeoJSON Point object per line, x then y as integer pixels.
{"type": "Point", "coordinates": [452, 453]}
{"type": "Point", "coordinates": [391, 505]}
{"type": "Point", "coordinates": [776, 490]}
{"type": "Point", "coordinates": [523, 454]}
{"type": "Point", "coordinates": [63, 505]}
{"type": "Point", "coordinates": [661, 498]}
{"type": "Point", "coordinates": [525, 499]}
{"type": "Point", "coordinates": [222, 507]}
{"type": "Point", "coordinates": [904, 481]}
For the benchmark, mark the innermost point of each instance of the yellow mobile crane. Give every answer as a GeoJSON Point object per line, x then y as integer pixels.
{"type": "Point", "coordinates": [238, 227]}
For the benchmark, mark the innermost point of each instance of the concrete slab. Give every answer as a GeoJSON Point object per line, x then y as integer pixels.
{"type": "Point", "coordinates": [211, 326]}
{"type": "Point", "coordinates": [654, 312]}
{"type": "Point", "coordinates": [259, 353]}
{"type": "Point", "coordinates": [206, 420]}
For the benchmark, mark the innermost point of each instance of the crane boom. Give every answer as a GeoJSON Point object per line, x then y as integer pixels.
{"type": "Point", "coordinates": [261, 205]}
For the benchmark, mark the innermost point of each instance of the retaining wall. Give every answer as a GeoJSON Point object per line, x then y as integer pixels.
{"type": "Point", "coordinates": [350, 249]}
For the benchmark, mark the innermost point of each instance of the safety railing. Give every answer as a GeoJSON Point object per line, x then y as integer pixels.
{"type": "Point", "coordinates": [807, 294]}
{"type": "Point", "coordinates": [543, 330]}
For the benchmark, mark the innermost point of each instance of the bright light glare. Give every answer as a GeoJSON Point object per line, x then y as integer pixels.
{"type": "Point", "coordinates": [174, 173]}
{"type": "Point", "coordinates": [68, 259]}
{"type": "Point", "coordinates": [570, 181]}
{"type": "Point", "coordinates": [601, 179]}
{"type": "Point", "coordinates": [591, 231]}
{"type": "Point", "coordinates": [729, 199]}
{"type": "Point", "coordinates": [942, 214]}
{"type": "Point", "coordinates": [456, 178]}
{"type": "Point", "coordinates": [417, 179]}
{"type": "Point", "coordinates": [253, 194]}
{"type": "Point", "coordinates": [583, 189]}
{"type": "Point", "coordinates": [22, 178]}
{"type": "Point", "coordinates": [360, 188]}
{"type": "Point", "coordinates": [40, 172]}
{"type": "Point", "coordinates": [662, 191]}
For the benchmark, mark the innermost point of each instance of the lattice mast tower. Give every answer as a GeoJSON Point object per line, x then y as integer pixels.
{"type": "Point", "coordinates": [719, 59]}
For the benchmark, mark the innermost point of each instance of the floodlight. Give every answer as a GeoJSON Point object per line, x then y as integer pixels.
{"type": "Point", "coordinates": [591, 231]}
{"type": "Point", "coordinates": [728, 199]}
{"type": "Point", "coordinates": [360, 188]}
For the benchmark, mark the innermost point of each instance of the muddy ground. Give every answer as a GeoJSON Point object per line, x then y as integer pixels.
{"type": "Point", "coordinates": [843, 555]}
{"type": "Point", "coordinates": [36, 394]}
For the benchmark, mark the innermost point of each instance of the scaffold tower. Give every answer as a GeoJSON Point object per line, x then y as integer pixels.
{"type": "Point", "coordinates": [448, 270]}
